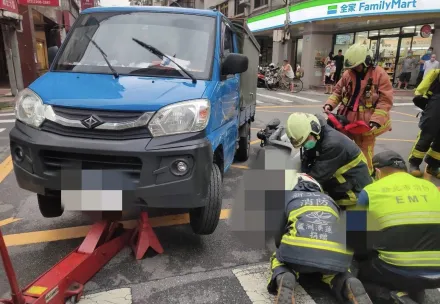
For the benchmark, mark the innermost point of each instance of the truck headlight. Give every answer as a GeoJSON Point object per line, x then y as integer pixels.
{"type": "Point", "coordinates": [29, 108]}
{"type": "Point", "coordinates": [182, 117]}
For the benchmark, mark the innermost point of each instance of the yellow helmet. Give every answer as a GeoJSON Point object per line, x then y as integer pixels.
{"type": "Point", "coordinates": [300, 126]}
{"type": "Point", "coordinates": [356, 55]}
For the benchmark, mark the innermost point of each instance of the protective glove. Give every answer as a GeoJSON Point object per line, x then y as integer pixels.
{"type": "Point", "coordinates": [374, 125]}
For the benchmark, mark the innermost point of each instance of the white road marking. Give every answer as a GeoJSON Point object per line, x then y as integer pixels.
{"type": "Point", "coordinates": [299, 97]}
{"type": "Point", "coordinates": [401, 104]}
{"type": "Point", "coordinates": [7, 120]}
{"type": "Point", "coordinates": [7, 114]}
{"type": "Point", "coordinates": [254, 281]}
{"type": "Point", "coordinates": [276, 98]}
{"type": "Point", "coordinates": [259, 101]}
{"type": "Point", "coordinates": [2, 129]}
{"type": "Point", "coordinates": [120, 296]}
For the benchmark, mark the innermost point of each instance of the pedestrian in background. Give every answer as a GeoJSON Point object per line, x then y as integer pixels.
{"type": "Point", "coordinates": [406, 66]}
{"type": "Point", "coordinates": [430, 65]}
{"type": "Point", "coordinates": [329, 75]}
{"type": "Point", "coordinates": [424, 58]}
{"type": "Point", "coordinates": [339, 62]}
{"type": "Point", "coordinates": [328, 59]}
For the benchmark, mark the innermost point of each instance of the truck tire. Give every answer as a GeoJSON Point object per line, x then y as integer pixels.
{"type": "Point", "coordinates": [204, 220]}
{"type": "Point", "coordinates": [50, 206]}
{"type": "Point", "coordinates": [244, 145]}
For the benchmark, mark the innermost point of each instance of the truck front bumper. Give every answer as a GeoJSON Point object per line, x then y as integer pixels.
{"type": "Point", "coordinates": [145, 169]}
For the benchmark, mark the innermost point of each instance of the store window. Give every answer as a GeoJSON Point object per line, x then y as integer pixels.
{"type": "Point", "coordinates": [223, 8]}
{"type": "Point", "coordinates": [239, 9]}
{"type": "Point", "coordinates": [408, 29]}
{"type": "Point", "coordinates": [373, 34]}
{"type": "Point", "coordinates": [362, 38]}
{"type": "Point", "coordinates": [387, 32]}
{"type": "Point", "coordinates": [259, 3]}
{"type": "Point", "coordinates": [343, 42]}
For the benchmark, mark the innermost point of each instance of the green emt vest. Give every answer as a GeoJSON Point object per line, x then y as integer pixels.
{"type": "Point", "coordinates": [403, 200]}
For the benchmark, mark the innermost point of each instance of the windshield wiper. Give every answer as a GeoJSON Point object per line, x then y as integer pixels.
{"type": "Point", "coordinates": [159, 54]}
{"type": "Point", "coordinates": [104, 55]}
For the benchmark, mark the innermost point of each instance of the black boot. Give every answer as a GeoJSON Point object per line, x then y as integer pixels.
{"type": "Point", "coordinates": [355, 292]}
{"type": "Point", "coordinates": [286, 284]}
{"type": "Point", "coordinates": [433, 171]}
{"type": "Point", "coordinates": [415, 170]}
{"type": "Point", "coordinates": [401, 297]}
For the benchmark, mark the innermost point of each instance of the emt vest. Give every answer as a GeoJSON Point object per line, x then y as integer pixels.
{"type": "Point", "coordinates": [314, 235]}
{"type": "Point", "coordinates": [406, 211]}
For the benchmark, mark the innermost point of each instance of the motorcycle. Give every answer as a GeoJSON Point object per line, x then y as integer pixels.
{"type": "Point", "coordinates": [260, 77]}
{"type": "Point", "coordinates": [272, 78]}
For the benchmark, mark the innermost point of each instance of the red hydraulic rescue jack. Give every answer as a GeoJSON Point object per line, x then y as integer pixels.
{"type": "Point", "coordinates": [64, 282]}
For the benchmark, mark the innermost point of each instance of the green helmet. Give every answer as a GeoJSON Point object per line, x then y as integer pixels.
{"type": "Point", "coordinates": [356, 55]}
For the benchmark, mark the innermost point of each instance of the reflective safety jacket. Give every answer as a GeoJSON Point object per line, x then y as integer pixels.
{"type": "Point", "coordinates": [430, 84]}
{"type": "Point", "coordinates": [338, 165]}
{"type": "Point", "coordinates": [373, 100]}
{"type": "Point", "coordinates": [406, 211]}
{"type": "Point", "coordinates": [311, 233]}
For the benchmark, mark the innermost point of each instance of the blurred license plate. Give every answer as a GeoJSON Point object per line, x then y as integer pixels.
{"type": "Point", "coordinates": [92, 200]}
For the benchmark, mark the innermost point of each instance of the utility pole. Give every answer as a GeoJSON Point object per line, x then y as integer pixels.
{"type": "Point", "coordinates": [286, 31]}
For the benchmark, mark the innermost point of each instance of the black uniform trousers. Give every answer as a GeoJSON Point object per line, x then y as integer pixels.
{"type": "Point", "coordinates": [428, 141]}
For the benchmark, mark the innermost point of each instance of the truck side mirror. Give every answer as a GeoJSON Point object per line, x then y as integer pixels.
{"type": "Point", "coordinates": [234, 64]}
{"type": "Point", "coordinates": [51, 53]}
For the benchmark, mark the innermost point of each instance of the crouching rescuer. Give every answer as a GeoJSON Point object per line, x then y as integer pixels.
{"type": "Point", "coordinates": [329, 157]}
{"type": "Point", "coordinates": [364, 94]}
{"type": "Point", "coordinates": [427, 146]}
{"type": "Point", "coordinates": [403, 224]}
{"type": "Point", "coordinates": [311, 240]}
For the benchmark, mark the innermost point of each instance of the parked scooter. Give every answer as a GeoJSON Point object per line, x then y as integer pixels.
{"type": "Point", "coordinates": [261, 83]}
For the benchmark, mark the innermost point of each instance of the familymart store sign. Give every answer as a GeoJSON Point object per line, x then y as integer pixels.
{"type": "Point", "coordinates": [331, 9]}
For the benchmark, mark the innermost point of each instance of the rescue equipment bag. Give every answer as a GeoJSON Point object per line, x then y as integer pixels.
{"type": "Point", "coordinates": [341, 123]}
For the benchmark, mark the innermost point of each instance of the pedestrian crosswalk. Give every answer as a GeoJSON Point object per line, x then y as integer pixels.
{"type": "Point", "coordinates": [276, 97]}
{"type": "Point", "coordinates": [7, 120]}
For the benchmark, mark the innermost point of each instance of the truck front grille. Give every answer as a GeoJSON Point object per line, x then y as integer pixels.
{"type": "Point", "coordinates": [55, 161]}
{"type": "Point", "coordinates": [107, 116]}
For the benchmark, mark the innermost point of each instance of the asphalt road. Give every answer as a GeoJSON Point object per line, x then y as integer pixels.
{"type": "Point", "coordinates": [220, 268]}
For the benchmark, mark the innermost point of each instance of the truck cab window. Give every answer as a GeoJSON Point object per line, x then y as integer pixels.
{"type": "Point", "coordinates": [227, 41]}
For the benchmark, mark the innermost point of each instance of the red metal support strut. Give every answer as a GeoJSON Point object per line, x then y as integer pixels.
{"type": "Point", "coordinates": [67, 278]}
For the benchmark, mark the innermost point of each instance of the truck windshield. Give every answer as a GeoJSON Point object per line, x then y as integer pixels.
{"type": "Point", "coordinates": [188, 39]}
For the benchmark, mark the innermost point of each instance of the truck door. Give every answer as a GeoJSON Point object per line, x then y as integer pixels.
{"type": "Point", "coordinates": [229, 90]}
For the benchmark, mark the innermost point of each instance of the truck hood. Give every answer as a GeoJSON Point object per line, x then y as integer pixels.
{"type": "Point", "coordinates": [127, 93]}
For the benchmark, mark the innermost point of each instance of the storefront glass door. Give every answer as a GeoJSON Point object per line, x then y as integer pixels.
{"type": "Point", "coordinates": [387, 55]}
{"type": "Point", "coordinates": [405, 46]}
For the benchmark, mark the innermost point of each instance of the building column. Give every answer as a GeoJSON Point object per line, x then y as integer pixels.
{"type": "Point", "coordinates": [316, 40]}
{"type": "Point", "coordinates": [280, 51]}
{"type": "Point", "coordinates": [435, 43]}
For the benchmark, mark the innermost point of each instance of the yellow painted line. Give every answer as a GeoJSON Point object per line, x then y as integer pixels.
{"type": "Point", "coordinates": [255, 142]}
{"type": "Point", "coordinates": [5, 168]}
{"type": "Point", "coordinates": [401, 113]}
{"type": "Point", "coordinates": [409, 121]}
{"type": "Point", "coordinates": [240, 166]}
{"type": "Point", "coordinates": [396, 139]}
{"type": "Point", "coordinates": [81, 231]}
{"type": "Point", "coordinates": [9, 221]}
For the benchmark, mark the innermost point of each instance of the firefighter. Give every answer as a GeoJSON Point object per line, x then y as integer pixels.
{"type": "Point", "coordinates": [403, 227]}
{"type": "Point", "coordinates": [310, 240]}
{"type": "Point", "coordinates": [329, 156]}
{"type": "Point", "coordinates": [364, 93]}
{"type": "Point", "coordinates": [427, 97]}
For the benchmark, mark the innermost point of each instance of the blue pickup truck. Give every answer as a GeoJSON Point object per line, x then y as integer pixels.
{"type": "Point", "coordinates": [160, 100]}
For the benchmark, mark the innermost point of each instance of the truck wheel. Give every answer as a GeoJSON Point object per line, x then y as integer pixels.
{"type": "Point", "coordinates": [50, 206]}
{"type": "Point", "coordinates": [244, 145]}
{"type": "Point", "coordinates": [204, 220]}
